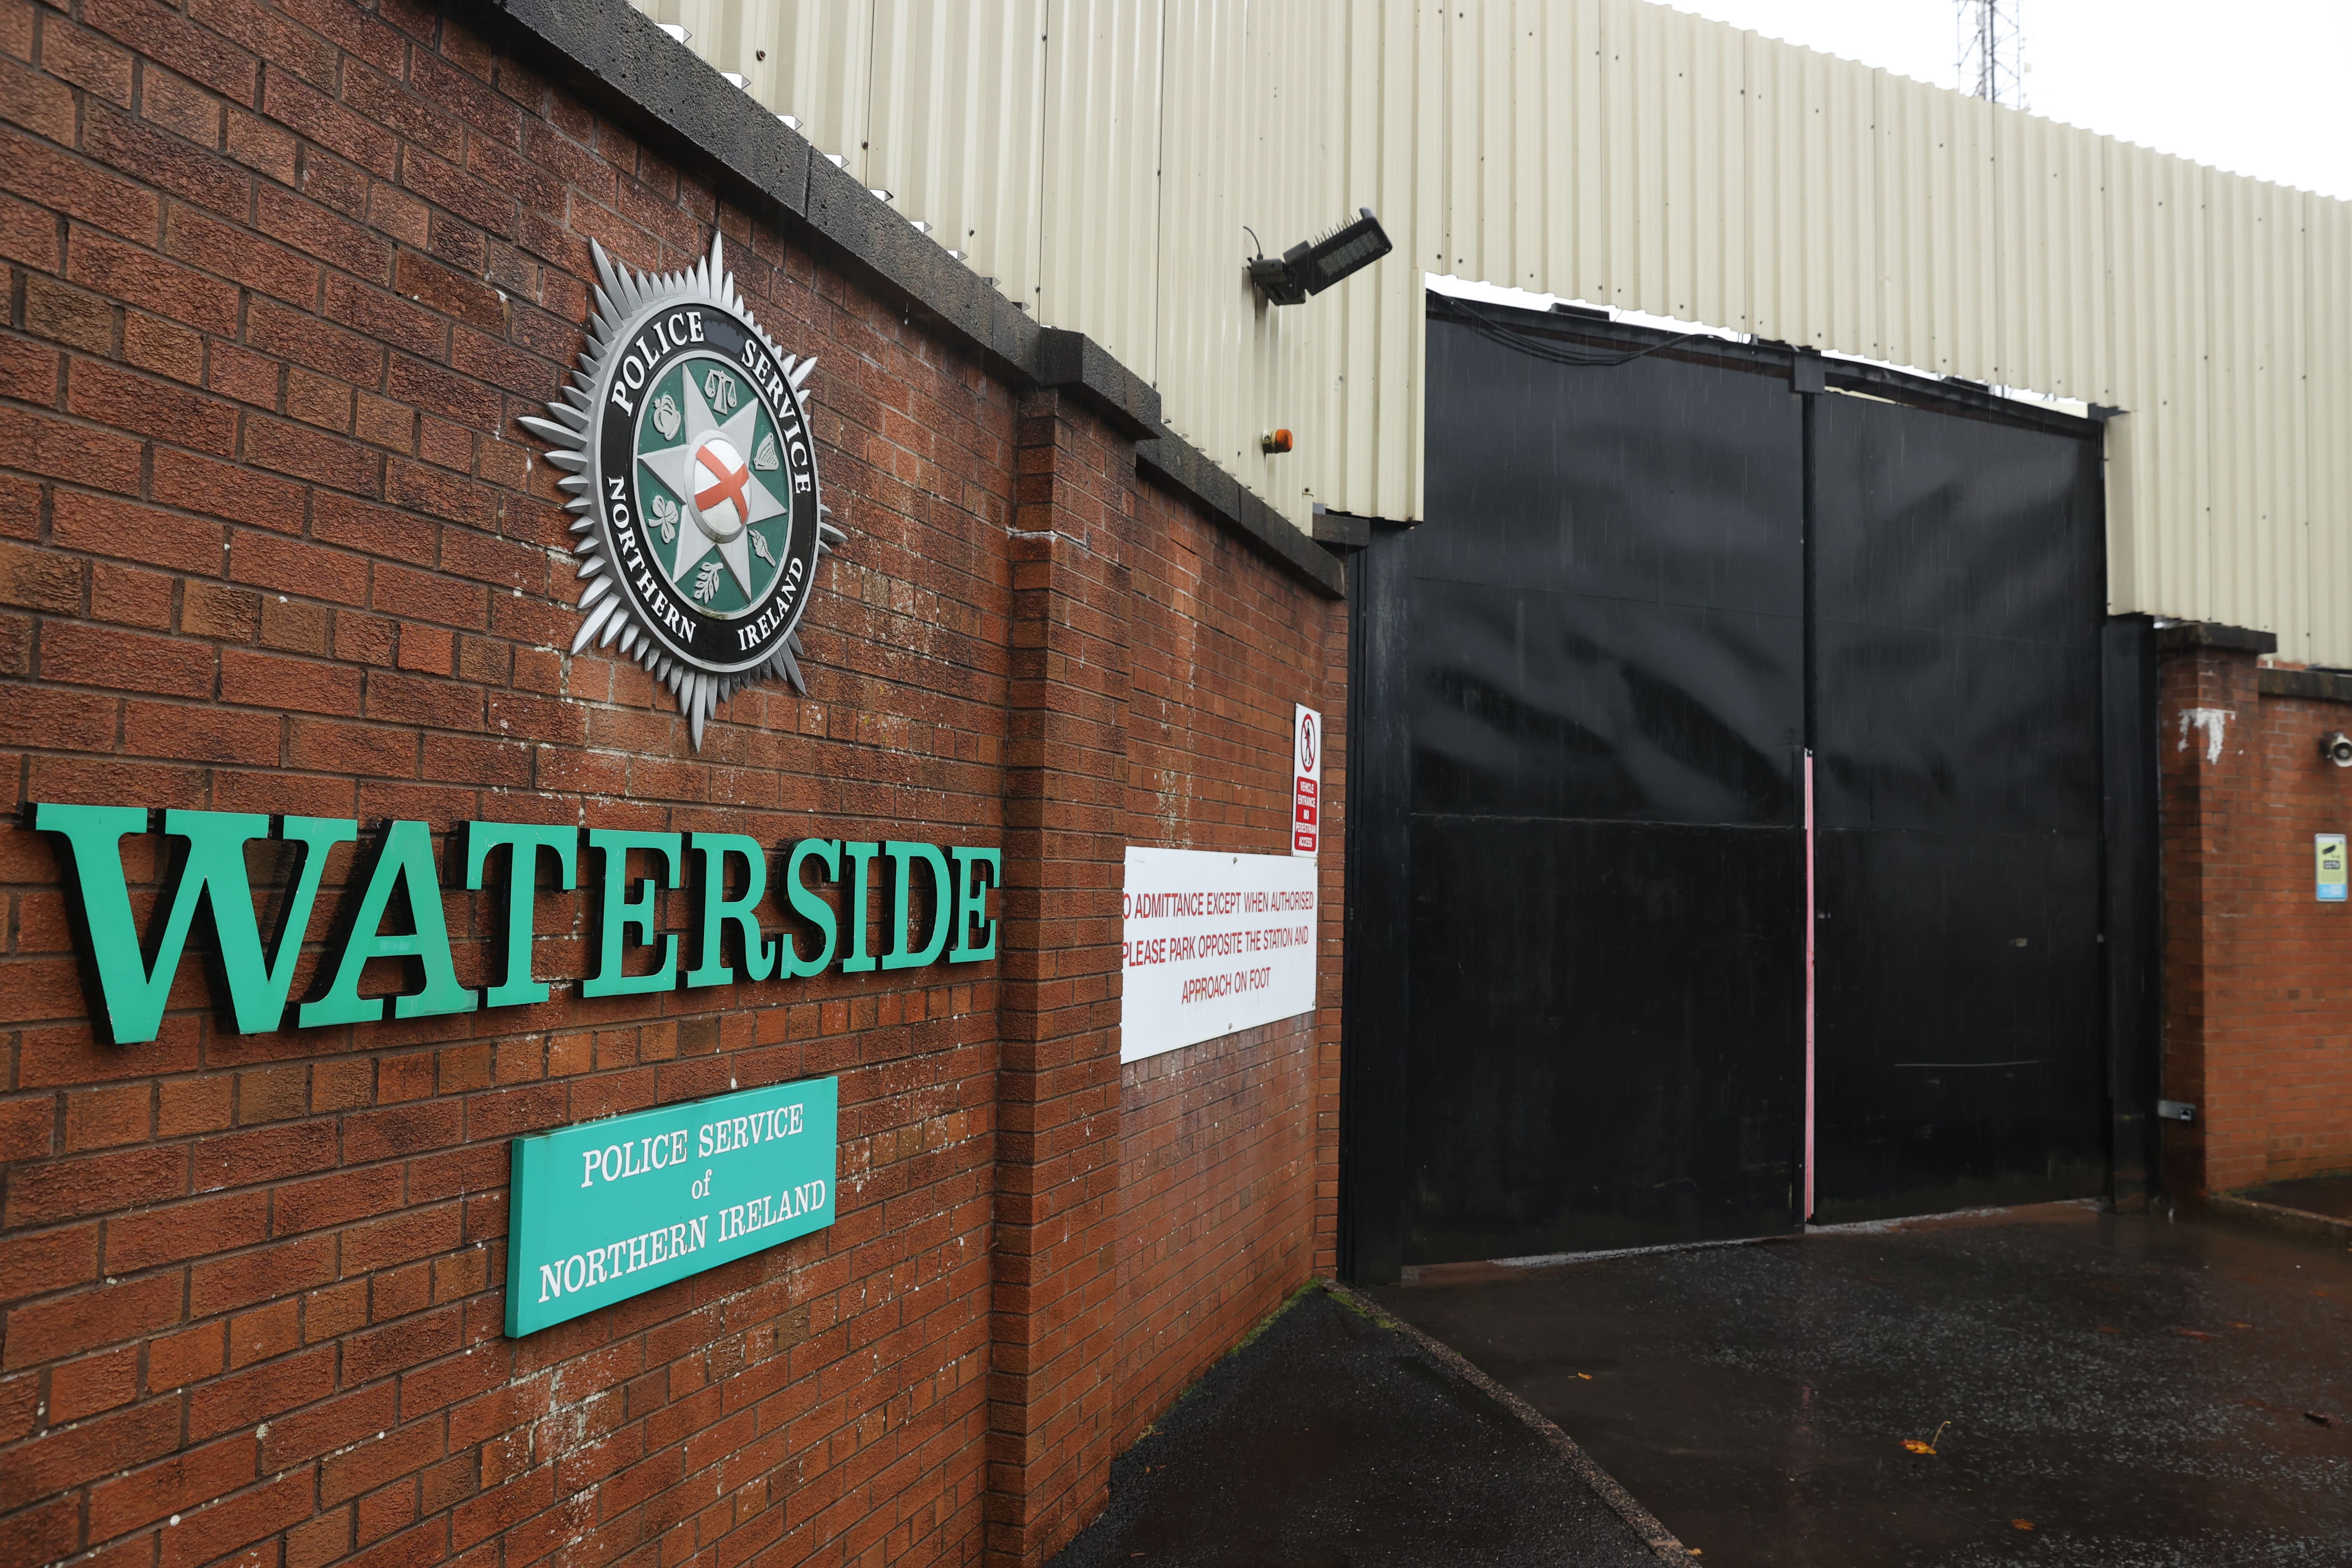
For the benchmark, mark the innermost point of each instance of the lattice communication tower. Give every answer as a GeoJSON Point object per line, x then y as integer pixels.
{"type": "Point", "coordinates": [1992, 51]}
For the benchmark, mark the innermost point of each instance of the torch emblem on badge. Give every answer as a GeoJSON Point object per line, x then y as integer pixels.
{"type": "Point", "coordinates": [684, 444]}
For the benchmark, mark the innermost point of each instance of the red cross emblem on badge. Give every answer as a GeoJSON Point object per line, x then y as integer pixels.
{"type": "Point", "coordinates": [727, 481]}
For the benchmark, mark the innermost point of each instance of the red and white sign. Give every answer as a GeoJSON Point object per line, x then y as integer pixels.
{"type": "Point", "coordinates": [1307, 783]}
{"type": "Point", "coordinates": [1212, 943]}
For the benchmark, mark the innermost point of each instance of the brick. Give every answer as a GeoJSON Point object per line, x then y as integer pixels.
{"type": "Point", "coordinates": [130, 597]}
{"type": "Point", "coordinates": [315, 117]}
{"type": "Point", "coordinates": [65, 1457]}
{"type": "Point", "coordinates": [235, 253]}
{"type": "Point", "coordinates": [69, 315]}
{"type": "Point", "coordinates": [221, 490]}
{"type": "Point", "coordinates": [164, 347]}
{"type": "Point", "coordinates": [316, 346]}
{"type": "Point", "coordinates": [176, 1360]}
{"type": "Point", "coordinates": [43, 444]}
{"type": "Point", "coordinates": [88, 61]}
{"type": "Point", "coordinates": [148, 155]}
{"type": "Point", "coordinates": [40, 579]}
{"type": "Point", "coordinates": [79, 190]}
{"type": "Point", "coordinates": [86, 654]}
{"type": "Point", "coordinates": [450, 293]}
{"type": "Point", "coordinates": [37, 1262]}
{"type": "Point", "coordinates": [307, 686]}
{"type": "Point", "coordinates": [162, 33]}
{"type": "Point", "coordinates": [315, 231]}
{"type": "Point", "coordinates": [215, 610]}
{"type": "Point", "coordinates": [182, 108]}
{"type": "Point", "coordinates": [249, 378]}
{"type": "Point", "coordinates": [66, 1189]}
{"type": "Point", "coordinates": [28, 1128]}
{"type": "Point", "coordinates": [158, 409]}
{"type": "Point", "coordinates": [261, 146]}
{"type": "Point", "coordinates": [180, 1483]}
{"type": "Point", "coordinates": [28, 234]}
{"type": "Point", "coordinates": [127, 531]}
{"type": "Point", "coordinates": [67, 1325]}
{"type": "Point", "coordinates": [267, 1154]}
{"type": "Point", "coordinates": [41, 105]}
{"type": "Point", "coordinates": [105, 1118]}
{"type": "Point", "coordinates": [251, 1397]}
{"type": "Point", "coordinates": [183, 1231]}
{"type": "Point", "coordinates": [309, 455]}
{"type": "Point", "coordinates": [152, 282]}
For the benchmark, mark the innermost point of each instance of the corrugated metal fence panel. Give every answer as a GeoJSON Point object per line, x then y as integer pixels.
{"type": "Point", "coordinates": [1101, 185]}
{"type": "Point", "coordinates": [955, 127]}
{"type": "Point", "coordinates": [2328, 452]}
{"type": "Point", "coordinates": [1099, 157]}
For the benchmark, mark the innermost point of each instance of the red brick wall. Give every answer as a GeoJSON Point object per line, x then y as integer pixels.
{"type": "Point", "coordinates": [1218, 1150]}
{"type": "Point", "coordinates": [281, 279]}
{"type": "Point", "coordinates": [2258, 973]}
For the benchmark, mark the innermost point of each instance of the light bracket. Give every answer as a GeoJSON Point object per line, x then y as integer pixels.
{"type": "Point", "coordinates": [1312, 266]}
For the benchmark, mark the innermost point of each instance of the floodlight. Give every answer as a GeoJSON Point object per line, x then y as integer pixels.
{"type": "Point", "coordinates": [1312, 266]}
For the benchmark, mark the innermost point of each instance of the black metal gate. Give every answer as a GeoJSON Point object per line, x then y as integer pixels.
{"type": "Point", "coordinates": [1653, 576]}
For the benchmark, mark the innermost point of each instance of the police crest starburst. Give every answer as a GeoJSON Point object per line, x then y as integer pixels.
{"type": "Point", "coordinates": [683, 440]}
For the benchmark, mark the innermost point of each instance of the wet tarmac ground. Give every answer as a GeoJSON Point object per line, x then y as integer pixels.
{"type": "Point", "coordinates": [2138, 1390]}
{"type": "Point", "coordinates": [1334, 1440]}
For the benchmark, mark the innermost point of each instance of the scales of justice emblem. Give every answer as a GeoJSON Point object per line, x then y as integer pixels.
{"type": "Point", "coordinates": [683, 440]}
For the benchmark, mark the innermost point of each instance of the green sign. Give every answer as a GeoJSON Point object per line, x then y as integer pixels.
{"type": "Point", "coordinates": [609, 1210]}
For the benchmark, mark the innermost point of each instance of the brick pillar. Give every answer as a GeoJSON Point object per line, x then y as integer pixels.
{"type": "Point", "coordinates": [1052, 1381]}
{"type": "Point", "coordinates": [2214, 784]}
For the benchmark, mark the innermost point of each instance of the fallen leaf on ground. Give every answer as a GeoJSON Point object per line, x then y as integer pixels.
{"type": "Point", "coordinates": [2315, 1415]}
{"type": "Point", "coordinates": [2192, 1334]}
{"type": "Point", "coordinates": [2021, 1524]}
{"type": "Point", "coordinates": [1586, 1375]}
{"type": "Point", "coordinates": [1917, 1446]}
{"type": "Point", "coordinates": [2241, 1325]}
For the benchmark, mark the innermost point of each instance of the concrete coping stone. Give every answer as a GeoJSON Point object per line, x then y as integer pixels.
{"type": "Point", "coordinates": [2317, 685]}
{"type": "Point", "coordinates": [2210, 634]}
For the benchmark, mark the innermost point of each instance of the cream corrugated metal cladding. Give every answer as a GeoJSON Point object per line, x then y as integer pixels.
{"type": "Point", "coordinates": [1099, 158]}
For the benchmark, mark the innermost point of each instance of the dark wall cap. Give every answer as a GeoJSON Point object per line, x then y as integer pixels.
{"type": "Point", "coordinates": [877, 235]}
{"type": "Point", "coordinates": [1183, 466]}
{"type": "Point", "coordinates": [2314, 685]}
{"type": "Point", "coordinates": [1066, 359]}
{"type": "Point", "coordinates": [1343, 528]}
{"type": "Point", "coordinates": [2208, 634]}
{"type": "Point", "coordinates": [618, 47]}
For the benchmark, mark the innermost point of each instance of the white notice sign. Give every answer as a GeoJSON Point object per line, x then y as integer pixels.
{"type": "Point", "coordinates": [1214, 943]}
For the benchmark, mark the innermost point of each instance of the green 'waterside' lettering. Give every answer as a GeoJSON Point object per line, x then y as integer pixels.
{"type": "Point", "coordinates": [719, 910]}
{"type": "Point", "coordinates": [902, 904]}
{"type": "Point", "coordinates": [254, 986]}
{"type": "Point", "coordinates": [972, 902]}
{"type": "Point", "coordinates": [826, 852]}
{"type": "Point", "coordinates": [526, 841]}
{"type": "Point", "coordinates": [212, 873]}
{"type": "Point", "coordinates": [404, 862]}
{"type": "Point", "coordinates": [624, 913]}
{"type": "Point", "coordinates": [860, 856]}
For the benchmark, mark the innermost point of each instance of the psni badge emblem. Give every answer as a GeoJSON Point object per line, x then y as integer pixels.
{"type": "Point", "coordinates": [684, 442]}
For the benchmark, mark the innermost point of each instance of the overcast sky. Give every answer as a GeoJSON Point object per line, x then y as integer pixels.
{"type": "Point", "coordinates": [2259, 87]}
